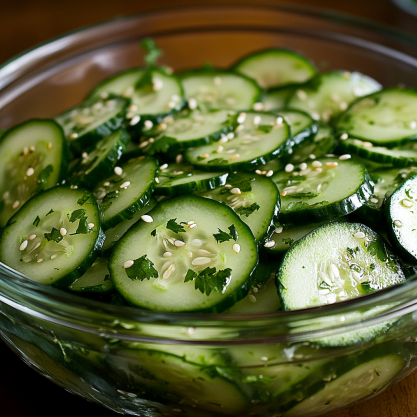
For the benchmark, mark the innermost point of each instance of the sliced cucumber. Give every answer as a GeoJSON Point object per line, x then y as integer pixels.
{"type": "Point", "coordinates": [217, 89]}
{"type": "Point", "coordinates": [127, 190]}
{"type": "Point", "coordinates": [322, 190]}
{"type": "Point", "coordinates": [259, 138]}
{"type": "Point", "coordinates": [33, 157]}
{"type": "Point", "coordinates": [402, 220]}
{"type": "Point", "coordinates": [115, 233]}
{"type": "Point", "coordinates": [91, 167]}
{"type": "Point", "coordinates": [172, 377]}
{"type": "Point", "coordinates": [303, 127]}
{"type": "Point", "coordinates": [254, 198]}
{"type": "Point", "coordinates": [328, 94]}
{"type": "Point", "coordinates": [55, 236]}
{"type": "Point", "coordinates": [276, 98]}
{"type": "Point", "coordinates": [276, 67]}
{"type": "Point", "coordinates": [374, 370]}
{"type": "Point", "coordinates": [92, 120]}
{"type": "Point", "coordinates": [385, 118]}
{"type": "Point", "coordinates": [179, 179]}
{"type": "Point", "coordinates": [96, 279]}
{"type": "Point", "coordinates": [172, 247]}
{"type": "Point", "coordinates": [190, 128]}
{"type": "Point", "coordinates": [335, 262]}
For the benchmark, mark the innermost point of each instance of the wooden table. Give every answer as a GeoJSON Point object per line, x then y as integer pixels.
{"type": "Point", "coordinates": [24, 23]}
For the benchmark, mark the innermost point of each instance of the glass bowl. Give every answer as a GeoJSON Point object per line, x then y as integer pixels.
{"type": "Point", "coordinates": [145, 363]}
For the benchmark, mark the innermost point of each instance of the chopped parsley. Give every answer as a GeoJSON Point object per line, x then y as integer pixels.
{"type": "Point", "coordinates": [110, 196]}
{"type": "Point", "coordinates": [352, 252]}
{"type": "Point", "coordinates": [224, 237]}
{"type": "Point", "coordinates": [174, 226]}
{"type": "Point", "coordinates": [209, 280]}
{"type": "Point", "coordinates": [265, 128]}
{"type": "Point", "coordinates": [44, 175]}
{"type": "Point", "coordinates": [83, 200]}
{"type": "Point", "coordinates": [83, 227]}
{"type": "Point", "coordinates": [247, 211]}
{"type": "Point", "coordinates": [50, 212]}
{"type": "Point", "coordinates": [153, 233]}
{"type": "Point", "coordinates": [54, 235]}
{"type": "Point", "coordinates": [76, 215]}
{"type": "Point", "coordinates": [142, 269]}
{"type": "Point", "coordinates": [36, 221]}
{"type": "Point", "coordinates": [288, 241]}
{"type": "Point", "coordinates": [161, 145]}
{"type": "Point", "coordinates": [217, 161]}
{"type": "Point", "coordinates": [151, 50]}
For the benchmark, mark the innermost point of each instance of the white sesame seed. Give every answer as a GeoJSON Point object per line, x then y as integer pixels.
{"type": "Point", "coordinates": [118, 171]}
{"type": "Point", "coordinates": [200, 261]}
{"type": "Point", "coordinates": [133, 107]}
{"type": "Point", "coordinates": [197, 242]}
{"type": "Point", "coordinates": [303, 166]}
{"type": "Point", "coordinates": [359, 235]}
{"type": "Point", "coordinates": [220, 148]}
{"type": "Point", "coordinates": [104, 95]}
{"type": "Point", "coordinates": [224, 139]}
{"type": "Point", "coordinates": [157, 84]}
{"type": "Point", "coordinates": [344, 136]}
{"type": "Point", "coordinates": [331, 164]}
{"type": "Point", "coordinates": [279, 120]}
{"type": "Point", "coordinates": [257, 120]}
{"type": "Point", "coordinates": [270, 244]}
{"type": "Point", "coordinates": [252, 298]}
{"type": "Point", "coordinates": [236, 191]}
{"type": "Point", "coordinates": [54, 256]}
{"type": "Point", "coordinates": [235, 156]}
{"type": "Point", "coordinates": [192, 103]}
{"type": "Point", "coordinates": [374, 200]}
{"type": "Point", "coordinates": [143, 144]}
{"type": "Point", "coordinates": [39, 260]}
{"type": "Point", "coordinates": [270, 173]}
{"type": "Point", "coordinates": [413, 124]}
{"type": "Point", "coordinates": [406, 203]}
{"type": "Point", "coordinates": [283, 194]}
{"type": "Point", "coordinates": [258, 106]}
{"type": "Point", "coordinates": [236, 248]}
{"type": "Point", "coordinates": [73, 136]}
{"type": "Point", "coordinates": [179, 158]}
{"type": "Point", "coordinates": [228, 186]}
{"type": "Point", "coordinates": [135, 120]}
{"type": "Point", "coordinates": [63, 231]}
{"type": "Point", "coordinates": [164, 166]}
{"type": "Point", "coordinates": [367, 144]}
{"type": "Point", "coordinates": [397, 223]}
{"type": "Point", "coordinates": [169, 271]}
{"type": "Point", "coordinates": [344, 157]}
{"type": "Point", "coordinates": [241, 118]}
{"type": "Point", "coordinates": [343, 105]}
{"type": "Point", "coordinates": [205, 155]}
{"type": "Point", "coordinates": [157, 180]}
{"type": "Point", "coordinates": [16, 204]}
{"type": "Point", "coordinates": [30, 172]}
{"type": "Point", "coordinates": [125, 184]}
{"type": "Point", "coordinates": [289, 168]}
{"type": "Point", "coordinates": [90, 225]}
{"type": "Point", "coordinates": [127, 264]}
{"type": "Point", "coordinates": [179, 243]}
{"type": "Point", "coordinates": [279, 230]}
{"type": "Point", "coordinates": [230, 135]}
{"type": "Point", "coordinates": [217, 80]}
{"type": "Point", "coordinates": [148, 124]}
{"type": "Point", "coordinates": [146, 218]}
{"type": "Point", "coordinates": [258, 172]}
{"type": "Point", "coordinates": [191, 226]}
{"type": "Point", "coordinates": [31, 237]}
{"type": "Point", "coordinates": [23, 245]}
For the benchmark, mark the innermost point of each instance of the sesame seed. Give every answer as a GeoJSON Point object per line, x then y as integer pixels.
{"type": "Point", "coordinates": [230, 135]}
{"type": "Point", "coordinates": [146, 218]}
{"type": "Point", "coordinates": [217, 80]}
{"type": "Point", "coordinates": [258, 106]}
{"type": "Point", "coordinates": [178, 158]}
{"type": "Point", "coordinates": [374, 200]}
{"type": "Point", "coordinates": [164, 166]}
{"type": "Point", "coordinates": [205, 155]}
{"type": "Point", "coordinates": [344, 136]}
{"type": "Point", "coordinates": [127, 264]}
{"type": "Point", "coordinates": [171, 105]}
{"type": "Point", "coordinates": [406, 203]}
{"type": "Point", "coordinates": [23, 245]}
{"type": "Point", "coordinates": [49, 145]}
{"type": "Point", "coordinates": [106, 184]}
{"type": "Point", "coordinates": [236, 248]}
{"type": "Point", "coordinates": [16, 204]}
{"type": "Point", "coordinates": [289, 168]}
{"type": "Point", "coordinates": [397, 223]}
{"type": "Point", "coordinates": [283, 194]}
{"type": "Point", "coordinates": [143, 144]}
{"type": "Point", "coordinates": [192, 103]}
{"type": "Point", "coordinates": [125, 184]}
{"type": "Point", "coordinates": [228, 186]}
{"type": "Point", "coordinates": [148, 124]}
{"type": "Point", "coordinates": [133, 107]}
{"type": "Point", "coordinates": [200, 261]}
{"type": "Point", "coordinates": [135, 120]}
{"type": "Point", "coordinates": [413, 124]}
{"type": "Point", "coordinates": [301, 94]}
{"type": "Point", "coordinates": [73, 136]}
{"type": "Point", "coordinates": [236, 191]}
{"type": "Point", "coordinates": [344, 157]}
{"type": "Point", "coordinates": [167, 254]}
{"type": "Point", "coordinates": [270, 244]}
{"type": "Point", "coordinates": [104, 95]}
{"type": "Point", "coordinates": [252, 298]}
{"type": "Point", "coordinates": [169, 271]}
{"type": "Point", "coordinates": [157, 180]}
{"type": "Point", "coordinates": [312, 156]}
{"type": "Point", "coordinates": [90, 225]}
{"type": "Point", "coordinates": [54, 256]}
{"type": "Point", "coordinates": [157, 84]}
{"type": "Point", "coordinates": [343, 105]}
{"type": "Point", "coordinates": [191, 226]}
{"type": "Point", "coordinates": [270, 173]}
{"type": "Point", "coordinates": [331, 164]}
{"type": "Point", "coordinates": [279, 230]}
{"type": "Point", "coordinates": [303, 166]}
{"type": "Point", "coordinates": [224, 139]}
{"type": "Point", "coordinates": [257, 120]}
{"type": "Point", "coordinates": [39, 260]}
{"type": "Point", "coordinates": [241, 118]}
{"type": "Point", "coordinates": [219, 148]}
{"type": "Point", "coordinates": [118, 171]}
{"type": "Point", "coordinates": [235, 156]}
{"type": "Point", "coordinates": [258, 172]}
{"type": "Point", "coordinates": [30, 172]}
{"type": "Point", "coordinates": [197, 242]}
{"type": "Point", "coordinates": [179, 243]}
{"type": "Point", "coordinates": [63, 231]}
{"type": "Point", "coordinates": [279, 120]}
{"type": "Point", "coordinates": [359, 235]}
{"type": "Point", "coordinates": [31, 237]}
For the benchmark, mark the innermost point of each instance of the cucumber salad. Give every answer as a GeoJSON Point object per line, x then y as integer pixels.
{"type": "Point", "coordinates": [262, 187]}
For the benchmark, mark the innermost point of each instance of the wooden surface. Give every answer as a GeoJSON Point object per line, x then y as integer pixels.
{"type": "Point", "coordinates": [25, 23]}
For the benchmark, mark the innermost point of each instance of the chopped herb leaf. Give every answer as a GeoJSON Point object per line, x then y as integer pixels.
{"type": "Point", "coordinates": [217, 161]}
{"type": "Point", "coordinates": [110, 196]}
{"type": "Point", "coordinates": [83, 200]}
{"type": "Point", "coordinates": [371, 267]}
{"type": "Point", "coordinates": [366, 287]}
{"type": "Point", "coordinates": [265, 128]}
{"type": "Point", "coordinates": [54, 235]}
{"type": "Point", "coordinates": [233, 232]}
{"type": "Point", "coordinates": [174, 226]}
{"type": "Point", "coordinates": [105, 207]}
{"type": "Point", "coordinates": [224, 237]}
{"type": "Point", "coordinates": [352, 252]}
{"type": "Point", "coordinates": [153, 233]}
{"type": "Point", "coordinates": [161, 145]}
{"type": "Point", "coordinates": [191, 275]}
{"type": "Point", "coordinates": [379, 250]}
{"type": "Point", "coordinates": [146, 81]}
{"type": "Point", "coordinates": [83, 228]}
{"type": "Point", "coordinates": [44, 175]}
{"type": "Point", "coordinates": [288, 241]}
{"type": "Point", "coordinates": [408, 192]}
{"type": "Point", "coordinates": [303, 195]}
{"type": "Point", "coordinates": [37, 221]}
{"type": "Point", "coordinates": [152, 51]}
{"type": "Point", "coordinates": [324, 286]}
{"type": "Point", "coordinates": [50, 212]}
{"type": "Point", "coordinates": [243, 184]}
{"type": "Point", "coordinates": [200, 158]}
{"type": "Point", "coordinates": [247, 211]}
{"type": "Point", "coordinates": [142, 269]}
{"type": "Point", "coordinates": [209, 280]}
{"type": "Point", "coordinates": [76, 215]}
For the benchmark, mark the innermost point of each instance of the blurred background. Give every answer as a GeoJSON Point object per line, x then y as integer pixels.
{"type": "Point", "coordinates": [26, 23]}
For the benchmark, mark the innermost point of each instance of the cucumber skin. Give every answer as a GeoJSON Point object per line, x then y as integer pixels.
{"type": "Point", "coordinates": [67, 280]}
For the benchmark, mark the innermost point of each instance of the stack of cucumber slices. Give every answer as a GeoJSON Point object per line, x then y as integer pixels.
{"type": "Point", "coordinates": [197, 191]}
{"type": "Point", "coordinates": [263, 187]}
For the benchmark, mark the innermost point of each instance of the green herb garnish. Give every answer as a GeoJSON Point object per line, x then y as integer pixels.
{"type": "Point", "coordinates": [142, 269]}
{"type": "Point", "coordinates": [209, 280]}
{"type": "Point", "coordinates": [247, 211]}
{"type": "Point", "coordinates": [174, 226]}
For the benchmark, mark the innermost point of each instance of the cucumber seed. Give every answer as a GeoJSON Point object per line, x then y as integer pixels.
{"type": "Point", "coordinates": [270, 244]}
{"type": "Point", "coordinates": [406, 203]}
{"type": "Point", "coordinates": [63, 231]}
{"type": "Point", "coordinates": [118, 170]}
{"type": "Point", "coordinates": [236, 191]}
{"type": "Point", "coordinates": [236, 248]}
{"type": "Point", "coordinates": [359, 235]}
{"type": "Point", "coordinates": [125, 185]}
{"type": "Point", "coordinates": [127, 264]}
{"type": "Point", "coordinates": [23, 245]}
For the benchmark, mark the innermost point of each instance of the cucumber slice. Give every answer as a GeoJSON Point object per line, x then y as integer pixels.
{"type": "Point", "coordinates": [322, 190]}
{"type": "Point", "coordinates": [179, 179]}
{"type": "Point", "coordinates": [303, 127]}
{"type": "Point", "coordinates": [172, 258]}
{"type": "Point", "coordinates": [259, 138]}
{"type": "Point", "coordinates": [217, 89]}
{"type": "Point", "coordinates": [174, 378]}
{"type": "Point", "coordinates": [335, 262]}
{"type": "Point", "coordinates": [154, 94]}
{"type": "Point", "coordinates": [92, 120]}
{"type": "Point", "coordinates": [91, 167]}
{"type": "Point", "coordinates": [33, 157]}
{"type": "Point", "coordinates": [190, 128]}
{"type": "Point", "coordinates": [96, 279]}
{"type": "Point", "coordinates": [55, 236]}
{"type": "Point", "coordinates": [276, 67]}
{"type": "Point", "coordinates": [254, 198]}
{"type": "Point", "coordinates": [276, 98]}
{"type": "Point", "coordinates": [386, 118]}
{"type": "Point", "coordinates": [328, 94]}
{"type": "Point", "coordinates": [354, 380]}
{"type": "Point", "coordinates": [115, 233]}
{"type": "Point", "coordinates": [128, 190]}
{"type": "Point", "coordinates": [399, 156]}
{"type": "Point", "coordinates": [402, 221]}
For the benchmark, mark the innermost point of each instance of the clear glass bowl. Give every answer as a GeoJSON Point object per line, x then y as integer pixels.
{"type": "Point", "coordinates": [300, 363]}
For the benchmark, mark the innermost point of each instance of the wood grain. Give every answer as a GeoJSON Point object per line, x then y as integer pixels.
{"type": "Point", "coordinates": [25, 23]}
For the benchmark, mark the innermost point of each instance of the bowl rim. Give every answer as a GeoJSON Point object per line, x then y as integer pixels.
{"type": "Point", "coordinates": [13, 284]}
